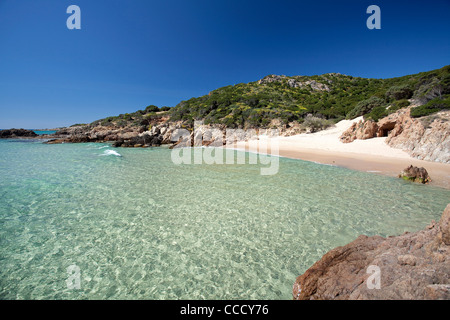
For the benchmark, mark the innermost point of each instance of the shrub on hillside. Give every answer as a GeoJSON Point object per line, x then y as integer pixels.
{"type": "Point", "coordinates": [432, 88]}
{"type": "Point", "coordinates": [365, 106]}
{"type": "Point", "coordinates": [432, 106]}
{"type": "Point", "coordinates": [377, 113]}
{"type": "Point", "coordinates": [398, 93]}
{"type": "Point", "coordinates": [315, 124]}
{"type": "Point", "coordinates": [399, 104]}
{"type": "Point", "coordinates": [151, 108]}
{"type": "Point", "coordinates": [382, 111]}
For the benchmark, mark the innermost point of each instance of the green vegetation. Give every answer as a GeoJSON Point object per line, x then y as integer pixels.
{"type": "Point", "coordinates": [151, 108]}
{"type": "Point", "coordinates": [415, 179]}
{"type": "Point", "coordinates": [366, 106]}
{"type": "Point", "coordinates": [384, 110]}
{"type": "Point", "coordinates": [315, 123]}
{"type": "Point", "coordinates": [399, 92]}
{"type": "Point", "coordinates": [136, 119]}
{"type": "Point", "coordinates": [329, 96]}
{"type": "Point", "coordinates": [320, 100]}
{"type": "Point", "coordinates": [432, 106]}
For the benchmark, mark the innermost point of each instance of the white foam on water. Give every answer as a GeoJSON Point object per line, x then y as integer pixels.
{"type": "Point", "coordinates": [111, 153]}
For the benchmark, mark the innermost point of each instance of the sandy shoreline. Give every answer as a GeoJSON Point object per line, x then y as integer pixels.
{"type": "Point", "coordinates": [372, 155]}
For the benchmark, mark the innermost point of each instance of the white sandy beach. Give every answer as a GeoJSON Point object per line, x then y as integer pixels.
{"type": "Point", "coordinates": [371, 155]}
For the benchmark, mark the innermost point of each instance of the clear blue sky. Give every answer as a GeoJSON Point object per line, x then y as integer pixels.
{"type": "Point", "coordinates": [130, 54]}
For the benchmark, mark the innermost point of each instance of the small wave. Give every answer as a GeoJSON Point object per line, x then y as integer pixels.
{"type": "Point", "coordinates": [103, 147]}
{"type": "Point", "coordinates": [111, 153]}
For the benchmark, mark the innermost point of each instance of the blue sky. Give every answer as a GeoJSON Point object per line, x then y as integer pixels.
{"type": "Point", "coordinates": [130, 54]}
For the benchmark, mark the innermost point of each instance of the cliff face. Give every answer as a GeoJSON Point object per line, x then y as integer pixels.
{"type": "Point", "coordinates": [425, 138]}
{"type": "Point", "coordinates": [411, 266]}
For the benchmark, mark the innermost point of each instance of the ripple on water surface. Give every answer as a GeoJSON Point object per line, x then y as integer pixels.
{"type": "Point", "coordinates": [139, 227]}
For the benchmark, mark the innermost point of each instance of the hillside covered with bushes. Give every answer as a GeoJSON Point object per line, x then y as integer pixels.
{"type": "Point", "coordinates": [330, 97]}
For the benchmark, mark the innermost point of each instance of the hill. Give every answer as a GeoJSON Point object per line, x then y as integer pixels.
{"type": "Point", "coordinates": [287, 99]}
{"type": "Point", "coordinates": [330, 96]}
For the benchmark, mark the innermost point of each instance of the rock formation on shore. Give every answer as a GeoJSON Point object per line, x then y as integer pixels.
{"type": "Point", "coordinates": [415, 174]}
{"type": "Point", "coordinates": [425, 138]}
{"type": "Point", "coordinates": [125, 136]}
{"type": "Point", "coordinates": [293, 83]}
{"type": "Point", "coordinates": [293, 105]}
{"type": "Point", "coordinates": [411, 266]}
{"type": "Point", "coordinates": [159, 133]}
{"type": "Point", "coordinates": [17, 133]}
{"type": "Point", "coordinates": [360, 130]}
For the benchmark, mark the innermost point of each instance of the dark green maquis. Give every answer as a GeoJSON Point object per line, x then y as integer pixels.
{"type": "Point", "coordinates": [283, 99]}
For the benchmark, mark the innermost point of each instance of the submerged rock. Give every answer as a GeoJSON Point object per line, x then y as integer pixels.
{"type": "Point", "coordinates": [410, 266]}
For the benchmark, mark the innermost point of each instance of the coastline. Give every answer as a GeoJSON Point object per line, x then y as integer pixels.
{"type": "Point", "coordinates": [324, 147]}
{"type": "Point", "coordinates": [224, 207]}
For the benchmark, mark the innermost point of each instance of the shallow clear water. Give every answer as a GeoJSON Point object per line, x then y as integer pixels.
{"type": "Point", "coordinates": [41, 132]}
{"type": "Point", "coordinates": [139, 227]}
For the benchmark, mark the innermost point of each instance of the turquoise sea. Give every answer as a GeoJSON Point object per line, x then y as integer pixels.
{"type": "Point", "coordinates": [41, 132]}
{"type": "Point", "coordinates": [137, 226]}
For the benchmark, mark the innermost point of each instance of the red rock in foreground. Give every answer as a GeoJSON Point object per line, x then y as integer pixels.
{"type": "Point", "coordinates": [411, 266]}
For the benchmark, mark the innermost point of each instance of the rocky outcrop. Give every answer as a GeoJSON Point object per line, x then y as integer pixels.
{"type": "Point", "coordinates": [295, 83]}
{"type": "Point", "coordinates": [426, 138]}
{"type": "Point", "coordinates": [129, 136]}
{"type": "Point", "coordinates": [98, 133]}
{"type": "Point", "coordinates": [70, 139]}
{"type": "Point", "coordinates": [17, 133]}
{"type": "Point", "coordinates": [271, 79]}
{"type": "Point", "coordinates": [360, 130]}
{"type": "Point", "coordinates": [168, 133]}
{"type": "Point", "coordinates": [144, 140]}
{"type": "Point", "coordinates": [410, 266]}
{"type": "Point", "coordinates": [316, 86]}
{"type": "Point", "coordinates": [415, 174]}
